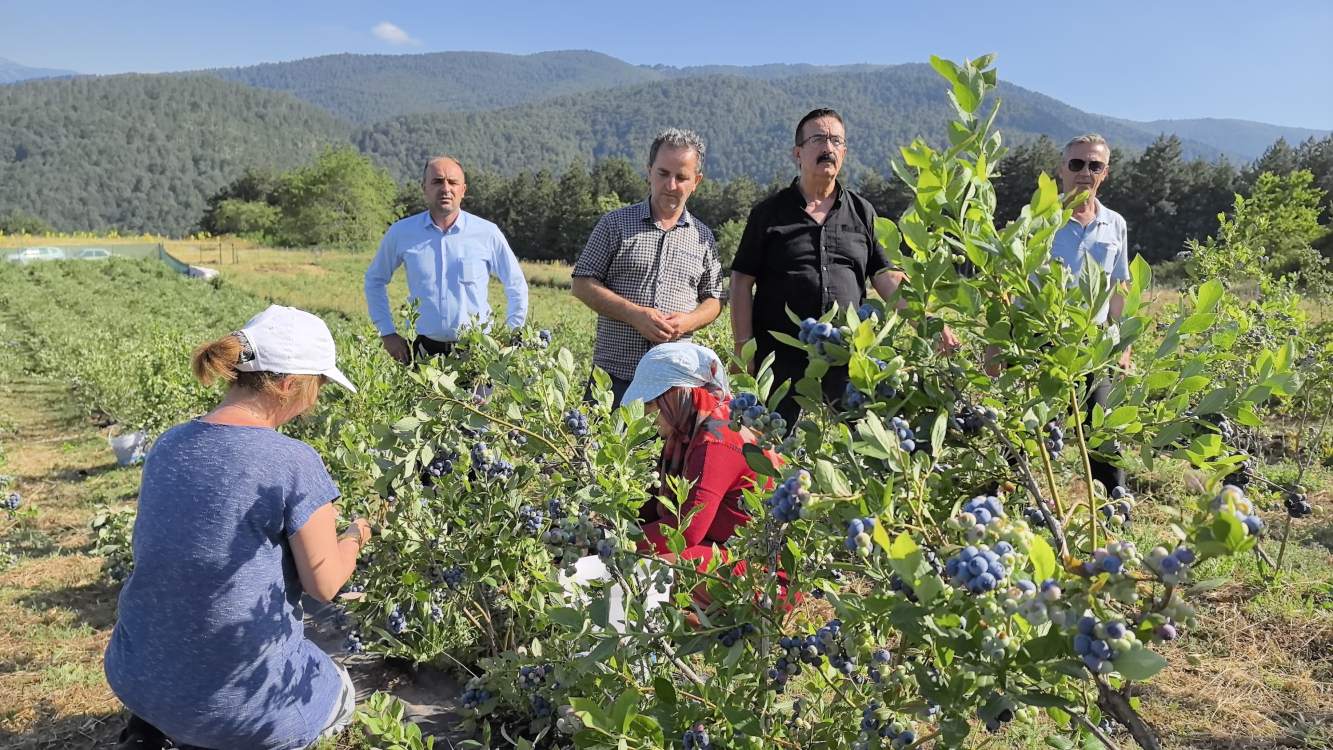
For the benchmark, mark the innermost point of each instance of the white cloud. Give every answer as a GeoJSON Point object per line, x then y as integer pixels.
{"type": "Point", "coordinates": [393, 35]}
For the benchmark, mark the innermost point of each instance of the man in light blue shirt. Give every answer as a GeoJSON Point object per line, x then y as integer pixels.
{"type": "Point", "coordinates": [1095, 234]}
{"type": "Point", "coordinates": [450, 256]}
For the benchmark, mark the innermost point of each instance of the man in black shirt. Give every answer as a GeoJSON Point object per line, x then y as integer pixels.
{"type": "Point", "coordinates": [808, 247]}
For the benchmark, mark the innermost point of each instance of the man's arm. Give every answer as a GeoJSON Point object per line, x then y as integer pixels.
{"type": "Point", "coordinates": [650, 323]}
{"type": "Point", "coordinates": [510, 272]}
{"type": "Point", "coordinates": [742, 310]}
{"type": "Point", "coordinates": [701, 316]}
{"type": "Point", "coordinates": [378, 275]}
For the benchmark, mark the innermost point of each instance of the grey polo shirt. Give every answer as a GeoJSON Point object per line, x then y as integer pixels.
{"type": "Point", "coordinates": [1104, 240]}
{"type": "Point", "coordinates": [670, 270]}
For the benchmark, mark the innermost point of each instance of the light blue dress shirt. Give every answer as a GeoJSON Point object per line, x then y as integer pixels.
{"type": "Point", "coordinates": [447, 274]}
{"type": "Point", "coordinates": [1105, 240]}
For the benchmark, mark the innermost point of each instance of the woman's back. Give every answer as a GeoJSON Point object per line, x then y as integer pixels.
{"type": "Point", "coordinates": [209, 644]}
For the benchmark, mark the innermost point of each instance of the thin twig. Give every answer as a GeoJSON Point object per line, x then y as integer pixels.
{"type": "Point", "coordinates": [1087, 465]}
{"type": "Point", "coordinates": [661, 639]}
{"type": "Point", "coordinates": [1096, 730]}
{"type": "Point", "coordinates": [1030, 481]}
{"type": "Point", "coordinates": [510, 425]}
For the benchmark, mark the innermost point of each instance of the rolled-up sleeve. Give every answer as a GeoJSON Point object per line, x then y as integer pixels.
{"type": "Point", "coordinates": [510, 273]}
{"type": "Point", "coordinates": [378, 275]}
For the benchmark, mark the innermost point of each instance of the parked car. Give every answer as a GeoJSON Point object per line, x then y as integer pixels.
{"type": "Point", "coordinates": [93, 253]}
{"type": "Point", "coordinates": [30, 254]}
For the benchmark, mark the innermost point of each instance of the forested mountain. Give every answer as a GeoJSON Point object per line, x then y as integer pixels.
{"type": "Point", "coordinates": [748, 123]}
{"type": "Point", "coordinates": [1241, 139]}
{"type": "Point", "coordinates": [370, 88]}
{"type": "Point", "coordinates": [12, 72]}
{"type": "Point", "coordinates": [144, 152]}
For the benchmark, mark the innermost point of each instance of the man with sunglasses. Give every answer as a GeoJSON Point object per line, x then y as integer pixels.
{"type": "Point", "coordinates": [809, 247]}
{"type": "Point", "coordinates": [1095, 234]}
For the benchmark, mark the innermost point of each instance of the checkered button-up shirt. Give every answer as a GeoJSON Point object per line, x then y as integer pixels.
{"type": "Point", "coordinates": [670, 270]}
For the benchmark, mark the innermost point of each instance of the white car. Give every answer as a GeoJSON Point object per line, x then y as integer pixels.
{"type": "Point", "coordinates": [93, 253]}
{"type": "Point", "coordinates": [30, 254]}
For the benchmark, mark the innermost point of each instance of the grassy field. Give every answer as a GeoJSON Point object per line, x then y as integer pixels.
{"type": "Point", "coordinates": [1256, 673]}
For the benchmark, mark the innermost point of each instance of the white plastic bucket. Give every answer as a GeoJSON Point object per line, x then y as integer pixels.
{"type": "Point", "coordinates": [129, 447]}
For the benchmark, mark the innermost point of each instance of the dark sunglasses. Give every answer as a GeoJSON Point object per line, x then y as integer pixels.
{"type": "Point", "coordinates": [1095, 167]}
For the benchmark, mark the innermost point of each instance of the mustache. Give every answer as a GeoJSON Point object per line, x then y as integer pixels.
{"type": "Point", "coordinates": [827, 157]}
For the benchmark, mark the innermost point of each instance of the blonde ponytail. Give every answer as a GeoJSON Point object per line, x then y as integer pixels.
{"type": "Point", "coordinates": [217, 360]}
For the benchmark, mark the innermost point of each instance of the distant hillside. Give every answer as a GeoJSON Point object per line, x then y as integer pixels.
{"type": "Point", "coordinates": [761, 72]}
{"type": "Point", "coordinates": [143, 152]}
{"type": "Point", "coordinates": [12, 72]}
{"type": "Point", "coordinates": [369, 88]}
{"type": "Point", "coordinates": [1240, 139]}
{"type": "Point", "coordinates": [748, 123]}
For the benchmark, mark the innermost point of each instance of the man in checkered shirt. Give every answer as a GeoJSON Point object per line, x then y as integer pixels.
{"type": "Point", "coordinates": [650, 271]}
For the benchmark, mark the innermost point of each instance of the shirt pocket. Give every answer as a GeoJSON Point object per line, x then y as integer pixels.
{"type": "Point", "coordinates": [472, 271]}
{"type": "Point", "coordinates": [684, 268]}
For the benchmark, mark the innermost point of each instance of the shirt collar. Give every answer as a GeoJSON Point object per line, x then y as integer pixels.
{"type": "Point", "coordinates": [685, 219]}
{"type": "Point", "coordinates": [800, 197]}
{"type": "Point", "coordinates": [429, 223]}
{"type": "Point", "coordinates": [1101, 216]}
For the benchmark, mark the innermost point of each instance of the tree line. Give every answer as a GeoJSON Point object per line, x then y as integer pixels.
{"type": "Point", "coordinates": [343, 200]}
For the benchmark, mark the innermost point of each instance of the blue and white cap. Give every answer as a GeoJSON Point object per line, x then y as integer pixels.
{"type": "Point", "coordinates": [292, 342]}
{"type": "Point", "coordinates": [680, 364]}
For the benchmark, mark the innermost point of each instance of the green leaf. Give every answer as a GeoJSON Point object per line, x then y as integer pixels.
{"type": "Point", "coordinates": [1043, 560]}
{"type": "Point", "coordinates": [1197, 323]}
{"type": "Point", "coordinates": [1046, 197]}
{"type": "Point", "coordinates": [1210, 294]}
{"type": "Point", "coordinates": [1139, 664]}
{"type": "Point", "coordinates": [1122, 416]}
{"type": "Point", "coordinates": [887, 233]}
{"type": "Point", "coordinates": [757, 460]}
{"type": "Point", "coordinates": [569, 619]}
{"type": "Point", "coordinates": [1213, 402]}
{"type": "Point", "coordinates": [830, 479]}
{"type": "Point", "coordinates": [664, 690]}
{"type": "Point", "coordinates": [937, 431]}
{"type": "Point", "coordinates": [1161, 379]}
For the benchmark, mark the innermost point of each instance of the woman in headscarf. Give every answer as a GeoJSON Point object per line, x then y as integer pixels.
{"type": "Point", "coordinates": [685, 385]}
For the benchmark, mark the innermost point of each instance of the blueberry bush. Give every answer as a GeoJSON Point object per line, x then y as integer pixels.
{"type": "Point", "coordinates": [968, 589]}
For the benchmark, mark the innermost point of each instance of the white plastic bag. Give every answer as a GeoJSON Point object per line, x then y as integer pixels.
{"type": "Point", "coordinates": [129, 447]}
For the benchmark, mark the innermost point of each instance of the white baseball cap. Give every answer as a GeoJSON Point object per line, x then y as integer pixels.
{"type": "Point", "coordinates": [674, 365]}
{"type": "Point", "coordinates": [292, 342]}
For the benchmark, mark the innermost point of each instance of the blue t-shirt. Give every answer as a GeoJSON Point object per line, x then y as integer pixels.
{"type": "Point", "coordinates": [209, 647]}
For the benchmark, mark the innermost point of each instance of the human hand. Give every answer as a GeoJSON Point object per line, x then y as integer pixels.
{"type": "Point", "coordinates": [654, 326]}
{"type": "Point", "coordinates": [363, 527]}
{"type": "Point", "coordinates": [949, 342]}
{"type": "Point", "coordinates": [397, 348]}
{"type": "Point", "coordinates": [682, 322]}
{"type": "Point", "coordinates": [1126, 362]}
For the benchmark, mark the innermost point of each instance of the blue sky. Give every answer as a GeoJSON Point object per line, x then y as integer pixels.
{"type": "Point", "coordinates": [1265, 61]}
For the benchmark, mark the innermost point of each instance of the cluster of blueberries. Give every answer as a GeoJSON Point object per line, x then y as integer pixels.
{"type": "Point", "coordinates": [696, 738]}
{"type": "Point", "coordinates": [453, 577]}
{"type": "Point", "coordinates": [1174, 567]}
{"type": "Point", "coordinates": [969, 420]}
{"type": "Point", "coordinates": [474, 697]}
{"type": "Point", "coordinates": [1005, 716]}
{"type": "Point", "coordinates": [541, 708]}
{"type": "Point", "coordinates": [532, 519]}
{"type": "Point", "coordinates": [577, 422]}
{"type": "Point", "coordinates": [748, 412]}
{"type": "Point", "coordinates": [1242, 475]}
{"type": "Point", "coordinates": [1223, 426]}
{"type": "Point", "coordinates": [906, 436]}
{"type": "Point", "coordinates": [1035, 518]}
{"type": "Point", "coordinates": [1101, 643]}
{"type": "Point", "coordinates": [1233, 497]}
{"type": "Point", "coordinates": [441, 464]}
{"type": "Point", "coordinates": [984, 508]}
{"type": "Point", "coordinates": [879, 658]}
{"type": "Point", "coordinates": [13, 501]}
{"type": "Point", "coordinates": [396, 622]}
{"type": "Point", "coordinates": [1298, 504]}
{"type": "Point", "coordinates": [858, 535]}
{"type": "Point", "coordinates": [436, 614]}
{"type": "Point", "coordinates": [1055, 438]}
{"type": "Point", "coordinates": [978, 569]}
{"type": "Point", "coordinates": [518, 437]}
{"type": "Point", "coordinates": [352, 643]}
{"type": "Point", "coordinates": [484, 462]}
{"type": "Point", "coordinates": [787, 503]}
{"type": "Point", "coordinates": [530, 678]}
{"type": "Point", "coordinates": [1119, 512]}
{"type": "Point", "coordinates": [875, 719]}
{"type": "Point", "coordinates": [544, 336]}
{"type": "Point", "coordinates": [818, 334]}
{"type": "Point", "coordinates": [731, 637]}
{"type": "Point", "coordinates": [1115, 558]}
{"type": "Point", "coordinates": [811, 649]}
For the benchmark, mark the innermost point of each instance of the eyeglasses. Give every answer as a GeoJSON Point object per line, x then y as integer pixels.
{"type": "Point", "coordinates": [835, 141]}
{"type": "Point", "coordinates": [1095, 167]}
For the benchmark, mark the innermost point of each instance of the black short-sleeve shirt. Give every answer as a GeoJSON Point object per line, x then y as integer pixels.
{"type": "Point", "coordinates": [807, 266]}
